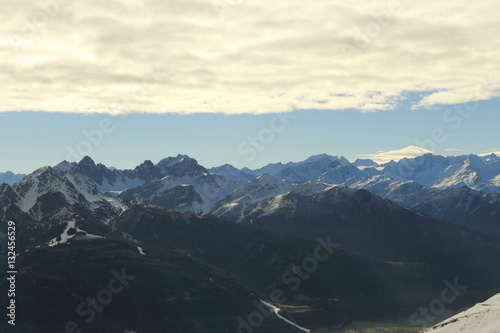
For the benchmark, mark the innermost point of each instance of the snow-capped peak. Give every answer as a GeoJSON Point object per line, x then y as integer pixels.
{"type": "Point", "coordinates": [65, 165]}
{"type": "Point", "coordinates": [169, 161]}
{"type": "Point", "coordinates": [87, 161]}
{"type": "Point", "coordinates": [320, 157]}
{"type": "Point", "coordinates": [268, 179]}
{"type": "Point", "coordinates": [47, 180]}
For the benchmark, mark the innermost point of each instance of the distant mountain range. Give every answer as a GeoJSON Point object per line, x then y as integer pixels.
{"type": "Point", "coordinates": [464, 190]}
{"type": "Point", "coordinates": [10, 178]}
{"type": "Point", "coordinates": [476, 172]}
{"type": "Point", "coordinates": [466, 187]}
{"type": "Point", "coordinates": [214, 241]}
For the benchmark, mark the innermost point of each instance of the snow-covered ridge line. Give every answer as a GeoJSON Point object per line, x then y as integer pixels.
{"type": "Point", "coordinates": [474, 171]}
{"type": "Point", "coordinates": [467, 187]}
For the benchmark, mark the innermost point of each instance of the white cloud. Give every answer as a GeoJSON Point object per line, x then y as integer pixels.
{"type": "Point", "coordinates": [497, 153]}
{"type": "Point", "coordinates": [396, 155]}
{"type": "Point", "coordinates": [237, 56]}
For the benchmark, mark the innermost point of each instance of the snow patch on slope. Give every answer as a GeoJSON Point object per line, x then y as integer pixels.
{"type": "Point", "coordinates": [277, 310]}
{"type": "Point", "coordinates": [141, 251]}
{"type": "Point", "coordinates": [482, 318]}
{"type": "Point", "coordinates": [64, 237]}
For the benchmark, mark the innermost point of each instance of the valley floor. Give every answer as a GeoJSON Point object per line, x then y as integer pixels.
{"type": "Point", "coordinates": [372, 327]}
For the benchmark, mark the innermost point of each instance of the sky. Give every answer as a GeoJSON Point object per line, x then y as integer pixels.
{"type": "Point", "coordinates": [246, 82]}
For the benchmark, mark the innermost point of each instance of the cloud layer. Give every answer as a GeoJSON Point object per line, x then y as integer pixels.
{"type": "Point", "coordinates": [396, 155]}
{"type": "Point", "coordinates": [242, 56]}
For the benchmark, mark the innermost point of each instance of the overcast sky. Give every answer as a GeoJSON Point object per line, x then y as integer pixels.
{"type": "Point", "coordinates": [242, 57]}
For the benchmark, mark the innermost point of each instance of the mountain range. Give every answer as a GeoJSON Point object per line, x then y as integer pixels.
{"type": "Point", "coordinates": [215, 241]}
{"type": "Point", "coordinates": [466, 187]}
{"type": "Point", "coordinates": [474, 171]}
{"type": "Point", "coordinates": [10, 178]}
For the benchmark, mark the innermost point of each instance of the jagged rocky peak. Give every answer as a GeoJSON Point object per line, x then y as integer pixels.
{"type": "Point", "coordinates": [42, 177]}
{"type": "Point", "coordinates": [147, 164]}
{"type": "Point", "coordinates": [267, 178]}
{"type": "Point", "coordinates": [311, 169]}
{"type": "Point", "coordinates": [229, 171]}
{"type": "Point", "coordinates": [145, 167]}
{"type": "Point", "coordinates": [148, 171]}
{"type": "Point", "coordinates": [319, 157]}
{"type": "Point", "coordinates": [87, 167]}
{"type": "Point", "coordinates": [491, 156]}
{"type": "Point", "coordinates": [99, 173]}
{"type": "Point", "coordinates": [65, 165]}
{"type": "Point", "coordinates": [51, 196]}
{"type": "Point", "coordinates": [170, 161]}
{"type": "Point", "coordinates": [86, 162]}
{"type": "Point", "coordinates": [343, 160]}
{"type": "Point", "coordinates": [491, 159]}
{"type": "Point", "coordinates": [47, 179]}
{"type": "Point", "coordinates": [181, 166]}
